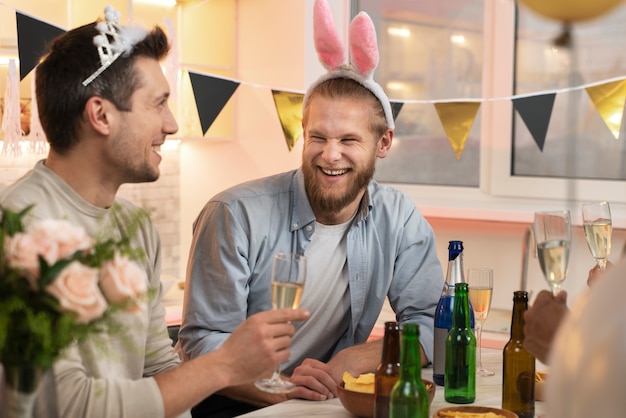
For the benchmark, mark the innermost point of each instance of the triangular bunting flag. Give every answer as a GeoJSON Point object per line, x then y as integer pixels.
{"type": "Point", "coordinates": [457, 119]}
{"type": "Point", "coordinates": [211, 96]}
{"type": "Point", "coordinates": [396, 107]}
{"type": "Point", "coordinates": [609, 100]}
{"type": "Point", "coordinates": [33, 40]}
{"type": "Point", "coordinates": [289, 109]}
{"type": "Point", "coordinates": [536, 111]}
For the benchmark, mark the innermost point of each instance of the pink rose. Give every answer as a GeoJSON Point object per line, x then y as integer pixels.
{"type": "Point", "coordinates": [53, 239]}
{"type": "Point", "coordinates": [76, 289]}
{"type": "Point", "coordinates": [21, 252]}
{"type": "Point", "coordinates": [123, 282]}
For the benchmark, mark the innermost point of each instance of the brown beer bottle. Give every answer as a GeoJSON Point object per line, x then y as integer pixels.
{"type": "Point", "coordinates": [388, 371]}
{"type": "Point", "coordinates": [518, 369]}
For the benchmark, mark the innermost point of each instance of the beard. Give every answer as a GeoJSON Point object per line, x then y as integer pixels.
{"type": "Point", "coordinates": [332, 200]}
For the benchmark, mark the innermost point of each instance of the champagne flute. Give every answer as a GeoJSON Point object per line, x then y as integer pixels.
{"type": "Point", "coordinates": [553, 238]}
{"type": "Point", "coordinates": [480, 284]}
{"type": "Point", "coordinates": [288, 276]}
{"type": "Point", "coordinates": [598, 230]}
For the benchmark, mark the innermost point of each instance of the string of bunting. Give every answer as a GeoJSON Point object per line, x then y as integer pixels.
{"type": "Point", "coordinates": [212, 93]}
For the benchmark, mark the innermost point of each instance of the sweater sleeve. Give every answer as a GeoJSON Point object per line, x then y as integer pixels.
{"type": "Point", "coordinates": [79, 395]}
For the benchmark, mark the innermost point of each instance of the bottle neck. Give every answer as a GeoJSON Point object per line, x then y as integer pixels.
{"type": "Point", "coordinates": [391, 343]}
{"type": "Point", "coordinates": [460, 314]}
{"type": "Point", "coordinates": [520, 305]}
{"type": "Point", "coordinates": [410, 359]}
{"type": "Point", "coordinates": [454, 274]}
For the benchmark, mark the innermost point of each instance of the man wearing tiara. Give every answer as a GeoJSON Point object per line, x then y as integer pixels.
{"type": "Point", "coordinates": [364, 242]}
{"type": "Point", "coordinates": [105, 113]}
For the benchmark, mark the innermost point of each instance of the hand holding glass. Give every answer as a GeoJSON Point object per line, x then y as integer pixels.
{"type": "Point", "coordinates": [598, 230]}
{"type": "Point", "coordinates": [480, 284]}
{"type": "Point", "coordinates": [288, 276]}
{"type": "Point", "coordinates": [553, 237]}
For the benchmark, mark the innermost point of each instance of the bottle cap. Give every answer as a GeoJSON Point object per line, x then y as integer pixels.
{"type": "Point", "coordinates": [454, 249]}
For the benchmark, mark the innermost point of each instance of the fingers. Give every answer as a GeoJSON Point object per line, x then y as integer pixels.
{"type": "Point", "coordinates": [288, 314]}
{"type": "Point", "coordinates": [561, 297]}
{"type": "Point", "coordinates": [283, 315]}
{"type": "Point", "coordinates": [314, 381]}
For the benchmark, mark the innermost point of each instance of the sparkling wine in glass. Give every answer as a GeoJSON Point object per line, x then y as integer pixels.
{"type": "Point", "coordinates": [553, 237]}
{"type": "Point", "coordinates": [480, 284]}
{"type": "Point", "coordinates": [288, 277]}
{"type": "Point", "coordinates": [598, 230]}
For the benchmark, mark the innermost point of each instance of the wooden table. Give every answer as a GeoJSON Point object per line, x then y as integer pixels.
{"type": "Point", "coordinates": [488, 393]}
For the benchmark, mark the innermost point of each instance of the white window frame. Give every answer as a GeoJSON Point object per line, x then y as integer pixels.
{"type": "Point", "coordinates": [501, 196]}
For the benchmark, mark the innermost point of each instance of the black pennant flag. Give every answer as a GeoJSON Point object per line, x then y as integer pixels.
{"type": "Point", "coordinates": [396, 107]}
{"type": "Point", "coordinates": [33, 39]}
{"type": "Point", "coordinates": [211, 96]}
{"type": "Point", "coordinates": [535, 112]}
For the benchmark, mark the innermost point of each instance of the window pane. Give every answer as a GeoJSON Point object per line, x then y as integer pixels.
{"type": "Point", "coordinates": [429, 51]}
{"type": "Point", "coordinates": [578, 142]}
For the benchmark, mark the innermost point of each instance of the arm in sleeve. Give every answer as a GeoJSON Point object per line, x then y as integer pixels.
{"type": "Point", "coordinates": [159, 353]}
{"type": "Point", "coordinates": [217, 284]}
{"type": "Point", "coordinates": [79, 395]}
{"type": "Point", "coordinates": [418, 279]}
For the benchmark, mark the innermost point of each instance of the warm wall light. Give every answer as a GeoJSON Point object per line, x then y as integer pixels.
{"type": "Point", "coordinates": [395, 31]}
{"type": "Point", "coordinates": [164, 3]}
{"type": "Point", "coordinates": [457, 39]}
{"type": "Point", "coordinates": [171, 144]}
{"type": "Point", "coordinates": [395, 85]}
{"type": "Point", "coordinates": [4, 60]}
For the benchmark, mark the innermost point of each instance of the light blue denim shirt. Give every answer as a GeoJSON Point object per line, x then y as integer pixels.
{"type": "Point", "coordinates": [390, 253]}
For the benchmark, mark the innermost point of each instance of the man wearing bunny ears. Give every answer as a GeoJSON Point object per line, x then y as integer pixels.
{"type": "Point", "coordinates": [364, 242]}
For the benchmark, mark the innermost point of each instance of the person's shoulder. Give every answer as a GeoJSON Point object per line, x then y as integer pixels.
{"type": "Point", "coordinates": [260, 187]}
{"type": "Point", "coordinates": [25, 191]}
{"type": "Point", "coordinates": [384, 195]}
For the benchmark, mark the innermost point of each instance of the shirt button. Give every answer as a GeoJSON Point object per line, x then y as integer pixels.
{"type": "Point", "coordinates": [295, 225]}
{"type": "Point", "coordinates": [309, 228]}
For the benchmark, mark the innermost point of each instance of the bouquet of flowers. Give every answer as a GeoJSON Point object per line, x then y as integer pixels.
{"type": "Point", "coordinates": [58, 285]}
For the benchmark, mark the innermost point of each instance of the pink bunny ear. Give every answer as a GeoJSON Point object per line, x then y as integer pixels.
{"type": "Point", "coordinates": [363, 44]}
{"type": "Point", "coordinates": [327, 43]}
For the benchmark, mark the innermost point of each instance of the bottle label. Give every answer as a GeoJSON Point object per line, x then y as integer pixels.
{"type": "Point", "coordinates": [439, 355]}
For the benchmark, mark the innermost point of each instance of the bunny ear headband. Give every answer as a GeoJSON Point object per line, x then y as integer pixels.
{"type": "Point", "coordinates": [363, 53]}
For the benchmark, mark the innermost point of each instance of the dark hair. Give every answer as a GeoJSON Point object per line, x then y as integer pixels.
{"type": "Point", "coordinates": [347, 88]}
{"type": "Point", "coordinates": [61, 96]}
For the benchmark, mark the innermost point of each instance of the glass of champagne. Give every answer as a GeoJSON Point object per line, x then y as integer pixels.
{"type": "Point", "coordinates": [553, 238]}
{"type": "Point", "coordinates": [288, 276]}
{"type": "Point", "coordinates": [480, 284]}
{"type": "Point", "coordinates": [598, 230]}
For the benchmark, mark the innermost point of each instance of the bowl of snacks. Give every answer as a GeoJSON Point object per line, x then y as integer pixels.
{"type": "Point", "coordinates": [357, 393]}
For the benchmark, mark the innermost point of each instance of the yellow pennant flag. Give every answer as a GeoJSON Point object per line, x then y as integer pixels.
{"type": "Point", "coordinates": [609, 100]}
{"type": "Point", "coordinates": [457, 119]}
{"type": "Point", "coordinates": [289, 108]}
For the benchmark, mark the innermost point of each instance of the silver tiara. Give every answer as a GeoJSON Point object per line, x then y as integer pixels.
{"type": "Point", "coordinates": [114, 40]}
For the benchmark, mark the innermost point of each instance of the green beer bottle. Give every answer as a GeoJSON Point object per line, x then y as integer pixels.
{"type": "Point", "coordinates": [460, 379]}
{"type": "Point", "coordinates": [409, 398]}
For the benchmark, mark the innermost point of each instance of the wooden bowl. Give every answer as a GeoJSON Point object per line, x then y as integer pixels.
{"type": "Point", "coordinates": [362, 404]}
{"type": "Point", "coordinates": [476, 410]}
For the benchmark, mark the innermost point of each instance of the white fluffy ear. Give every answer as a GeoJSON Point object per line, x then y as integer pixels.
{"type": "Point", "coordinates": [327, 42]}
{"type": "Point", "coordinates": [363, 45]}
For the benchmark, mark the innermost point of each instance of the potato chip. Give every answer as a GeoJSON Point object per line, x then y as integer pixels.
{"type": "Point", "coordinates": [363, 383]}
{"type": "Point", "coordinates": [459, 414]}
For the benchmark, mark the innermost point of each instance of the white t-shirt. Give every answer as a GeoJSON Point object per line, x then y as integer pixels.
{"type": "Point", "coordinates": [325, 295]}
